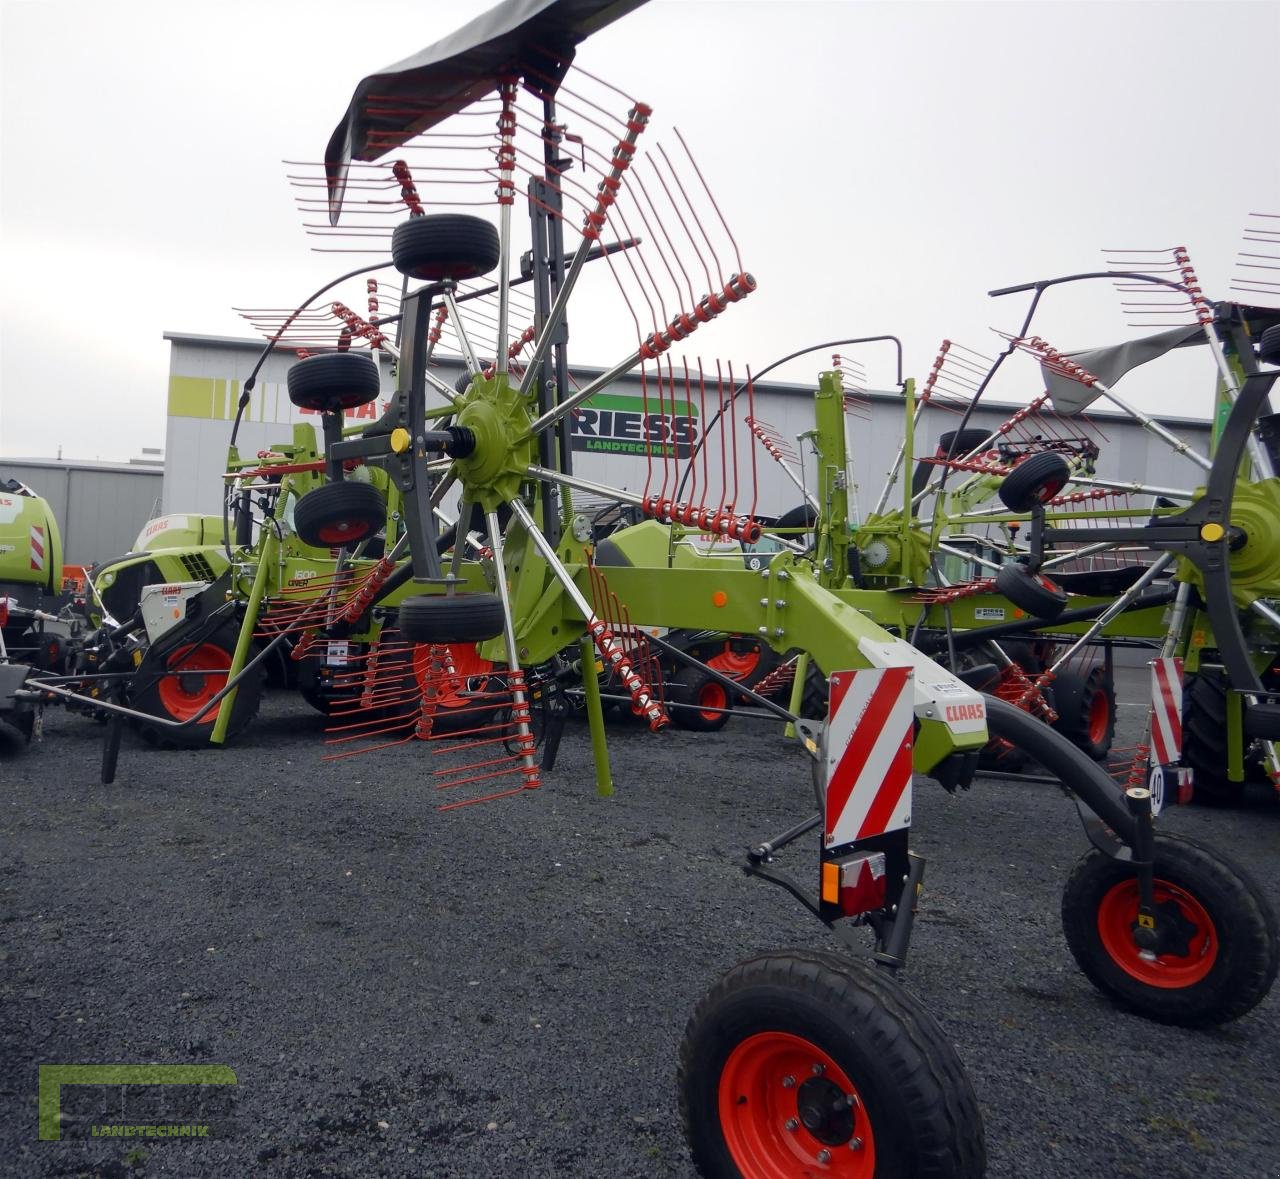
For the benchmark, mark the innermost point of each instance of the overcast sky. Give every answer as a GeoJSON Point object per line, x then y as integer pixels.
{"type": "Point", "coordinates": [882, 166]}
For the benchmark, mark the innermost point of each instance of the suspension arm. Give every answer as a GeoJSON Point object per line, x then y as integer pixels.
{"type": "Point", "coordinates": [979, 635]}
{"type": "Point", "coordinates": [1081, 776]}
{"type": "Point", "coordinates": [787, 608]}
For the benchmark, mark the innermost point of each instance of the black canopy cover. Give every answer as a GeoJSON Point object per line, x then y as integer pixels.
{"type": "Point", "coordinates": [513, 37]}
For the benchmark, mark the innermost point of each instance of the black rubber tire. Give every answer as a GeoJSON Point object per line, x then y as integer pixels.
{"type": "Point", "coordinates": [1248, 942]}
{"type": "Point", "coordinates": [1204, 739]}
{"type": "Point", "coordinates": [801, 516]}
{"type": "Point", "coordinates": [1038, 478]}
{"type": "Point", "coordinates": [1079, 701]}
{"type": "Point", "coordinates": [1024, 653]}
{"type": "Point", "coordinates": [1032, 592]}
{"type": "Point", "coordinates": [339, 515]}
{"type": "Point", "coordinates": [51, 654]}
{"type": "Point", "coordinates": [340, 699]}
{"type": "Point", "coordinates": [691, 686]}
{"type": "Point", "coordinates": [1269, 345]}
{"type": "Point", "coordinates": [324, 705]}
{"type": "Point", "coordinates": [465, 618]}
{"type": "Point", "coordinates": [815, 699]}
{"type": "Point", "coordinates": [111, 746]}
{"type": "Point", "coordinates": [964, 441]}
{"type": "Point", "coordinates": [958, 443]}
{"type": "Point", "coordinates": [442, 246]}
{"type": "Point", "coordinates": [145, 694]}
{"type": "Point", "coordinates": [334, 381]}
{"type": "Point", "coordinates": [915, 1100]}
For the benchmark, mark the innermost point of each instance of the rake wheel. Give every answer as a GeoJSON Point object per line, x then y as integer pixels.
{"type": "Point", "coordinates": [445, 246]}
{"type": "Point", "coordinates": [467, 618]}
{"type": "Point", "coordinates": [332, 383]}
{"type": "Point", "coordinates": [335, 515]}
{"type": "Point", "coordinates": [1032, 592]}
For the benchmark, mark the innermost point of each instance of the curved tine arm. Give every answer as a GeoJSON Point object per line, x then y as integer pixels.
{"type": "Point", "coordinates": [1216, 567]}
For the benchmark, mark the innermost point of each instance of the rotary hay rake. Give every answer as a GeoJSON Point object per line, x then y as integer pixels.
{"type": "Point", "coordinates": [514, 571]}
{"type": "Point", "coordinates": [965, 579]}
{"type": "Point", "coordinates": [732, 1048]}
{"type": "Point", "coordinates": [506, 445]}
{"type": "Point", "coordinates": [1132, 547]}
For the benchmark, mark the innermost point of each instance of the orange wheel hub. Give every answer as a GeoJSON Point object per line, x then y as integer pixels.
{"type": "Point", "coordinates": [788, 1111]}
{"type": "Point", "coordinates": [1192, 945]}
{"type": "Point", "coordinates": [196, 674]}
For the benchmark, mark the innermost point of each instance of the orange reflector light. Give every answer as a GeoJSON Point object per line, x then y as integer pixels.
{"type": "Point", "coordinates": [831, 883]}
{"type": "Point", "coordinates": [719, 598]}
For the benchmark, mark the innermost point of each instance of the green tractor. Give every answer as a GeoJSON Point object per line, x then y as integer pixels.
{"type": "Point", "coordinates": [183, 613]}
{"type": "Point", "coordinates": [35, 633]}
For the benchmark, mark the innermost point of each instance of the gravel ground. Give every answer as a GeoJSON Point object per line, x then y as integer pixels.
{"type": "Point", "coordinates": [500, 990]}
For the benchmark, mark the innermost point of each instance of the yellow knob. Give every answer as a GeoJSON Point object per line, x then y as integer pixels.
{"type": "Point", "coordinates": [1212, 532]}
{"type": "Point", "coordinates": [400, 440]}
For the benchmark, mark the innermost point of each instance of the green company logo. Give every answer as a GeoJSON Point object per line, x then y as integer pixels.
{"type": "Point", "coordinates": [621, 423]}
{"type": "Point", "coordinates": [54, 1076]}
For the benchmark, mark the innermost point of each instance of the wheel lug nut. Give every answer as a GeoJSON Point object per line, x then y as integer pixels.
{"type": "Point", "coordinates": [819, 1069]}
{"type": "Point", "coordinates": [824, 1156]}
{"type": "Point", "coordinates": [855, 1143]}
{"type": "Point", "coordinates": [793, 1124]}
{"type": "Point", "coordinates": [788, 1082]}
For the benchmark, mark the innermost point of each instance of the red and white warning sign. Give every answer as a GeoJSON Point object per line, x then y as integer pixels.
{"type": "Point", "coordinates": [37, 547]}
{"type": "Point", "coordinates": [868, 757]}
{"type": "Point", "coordinates": [1166, 711]}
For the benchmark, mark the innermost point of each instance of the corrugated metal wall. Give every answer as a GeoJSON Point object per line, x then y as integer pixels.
{"type": "Point", "coordinates": [100, 508]}
{"type": "Point", "coordinates": [206, 375]}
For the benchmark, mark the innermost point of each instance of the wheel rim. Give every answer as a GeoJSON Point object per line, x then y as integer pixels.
{"type": "Point", "coordinates": [1183, 965]}
{"type": "Point", "coordinates": [735, 664]}
{"type": "Point", "coordinates": [713, 699]}
{"type": "Point", "coordinates": [1099, 717]}
{"type": "Point", "coordinates": [196, 675]}
{"type": "Point", "coordinates": [343, 531]}
{"type": "Point", "coordinates": [783, 1112]}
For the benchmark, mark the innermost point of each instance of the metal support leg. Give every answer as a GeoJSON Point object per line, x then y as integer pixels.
{"type": "Point", "coordinates": [1138, 799]}
{"type": "Point", "coordinates": [248, 625]}
{"type": "Point", "coordinates": [519, 699]}
{"type": "Point", "coordinates": [797, 692]}
{"type": "Point", "coordinates": [595, 717]}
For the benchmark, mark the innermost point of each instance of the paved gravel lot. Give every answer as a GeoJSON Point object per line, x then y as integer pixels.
{"type": "Point", "coordinates": [501, 990]}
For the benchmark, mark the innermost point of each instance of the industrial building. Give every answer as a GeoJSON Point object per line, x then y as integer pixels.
{"type": "Point", "coordinates": [207, 373]}
{"type": "Point", "coordinates": [102, 507]}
